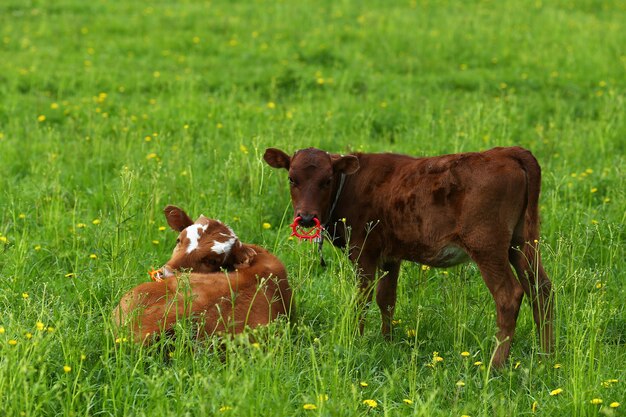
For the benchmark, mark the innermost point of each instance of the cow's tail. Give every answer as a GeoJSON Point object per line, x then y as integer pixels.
{"type": "Point", "coordinates": [526, 258]}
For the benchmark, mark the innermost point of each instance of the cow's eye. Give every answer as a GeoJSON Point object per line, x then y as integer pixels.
{"type": "Point", "coordinates": [178, 241]}
{"type": "Point", "coordinates": [291, 181]}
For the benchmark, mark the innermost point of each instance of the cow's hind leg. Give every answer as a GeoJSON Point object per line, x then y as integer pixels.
{"type": "Point", "coordinates": [507, 294]}
{"type": "Point", "coordinates": [538, 288]}
{"type": "Point", "coordinates": [386, 295]}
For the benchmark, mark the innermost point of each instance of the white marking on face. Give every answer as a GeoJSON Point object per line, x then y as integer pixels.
{"type": "Point", "coordinates": [193, 234]}
{"type": "Point", "coordinates": [224, 247]}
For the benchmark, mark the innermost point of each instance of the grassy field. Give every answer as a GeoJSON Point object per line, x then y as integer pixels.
{"type": "Point", "coordinates": [111, 110]}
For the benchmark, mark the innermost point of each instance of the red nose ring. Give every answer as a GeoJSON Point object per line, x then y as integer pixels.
{"type": "Point", "coordinates": [310, 234]}
{"type": "Point", "coordinates": [155, 275]}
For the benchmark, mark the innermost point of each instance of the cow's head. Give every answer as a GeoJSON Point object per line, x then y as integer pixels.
{"type": "Point", "coordinates": [313, 175]}
{"type": "Point", "coordinates": [203, 246]}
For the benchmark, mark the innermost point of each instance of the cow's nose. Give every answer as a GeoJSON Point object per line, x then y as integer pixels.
{"type": "Point", "coordinates": [306, 220]}
{"type": "Point", "coordinates": [166, 272]}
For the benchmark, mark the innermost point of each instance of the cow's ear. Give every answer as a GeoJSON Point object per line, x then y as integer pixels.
{"type": "Point", "coordinates": [276, 158]}
{"type": "Point", "coordinates": [243, 255]}
{"type": "Point", "coordinates": [177, 218]}
{"type": "Point", "coordinates": [348, 164]}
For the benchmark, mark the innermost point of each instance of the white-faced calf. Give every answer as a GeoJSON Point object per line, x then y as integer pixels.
{"type": "Point", "coordinates": [250, 290]}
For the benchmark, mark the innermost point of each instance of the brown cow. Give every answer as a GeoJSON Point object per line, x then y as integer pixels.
{"type": "Point", "coordinates": [250, 290]}
{"type": "Point", "coordinates": [437, 211]}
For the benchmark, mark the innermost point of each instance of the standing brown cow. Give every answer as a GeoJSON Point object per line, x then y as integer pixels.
{"type": "Point", "coordinates": [437, 211]}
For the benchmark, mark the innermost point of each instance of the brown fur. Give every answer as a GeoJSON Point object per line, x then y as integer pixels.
{"type": "Point", "coordinates": [437, 211]}
{"type": "Point", "coordinates": [218, 302]}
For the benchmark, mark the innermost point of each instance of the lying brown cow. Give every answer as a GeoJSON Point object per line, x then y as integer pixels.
{"type": "Point", "coordinates": [250, 290]}
{"type": "Point", "coordinates": [437, 211]}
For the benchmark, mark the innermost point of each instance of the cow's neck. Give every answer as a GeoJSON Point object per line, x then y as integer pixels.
{"type": "Point", "coordinates": [329, 218]}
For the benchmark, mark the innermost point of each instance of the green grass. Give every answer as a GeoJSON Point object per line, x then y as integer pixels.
{"type": "Point", "coordinates": [110, 110]}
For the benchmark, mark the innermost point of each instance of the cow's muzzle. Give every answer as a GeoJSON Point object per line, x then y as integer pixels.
{"type": "Point", "coordinates": [307, 220]}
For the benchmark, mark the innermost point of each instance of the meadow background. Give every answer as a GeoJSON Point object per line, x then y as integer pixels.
{"type": "Point", "coordinates": [110, 110]}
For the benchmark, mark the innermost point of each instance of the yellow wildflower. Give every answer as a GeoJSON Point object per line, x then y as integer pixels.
{"type": "Point", "coordinates": [370, 403]}
{"type": "Point", "coordinates": [309, 406]}
{"type": "Point", "coordinates": [460, 383]}
{"type": "Point", "coordinates": [2, 330]}
{"type": "Point", "coordinates": [41, 118]}
{"type": "Point", "coordinates": [556, 391]}
{"type": "Point", "coordinates": [363, 384]}
{"type": "Point", "coordinates": [96, 221]}
{"type": "Point", "coordinates": [596, 401]}
{"type": "Point", "coordinates": [465, 354]}
{"type": "Point", "coordinates": [67, 368]}
{"type": "Point", "coordinates": [407, 401]}
{"type": "Point", "coordinates": [614, 404]}
{"type": "Point", "coordinates": [93, 256]}
{"type": "Point", "coordinates": [267, 225]}
{"type": "Point", "coordinates": [271, 105]}
{"type": "Point", "coordinates": [39, 326]}
{"type": "Point", "coordinates": [12, 342]}
{"type": "Point", "coordinates": [225, 408]}
{"type": "Point", "coordinates": [24, 295]}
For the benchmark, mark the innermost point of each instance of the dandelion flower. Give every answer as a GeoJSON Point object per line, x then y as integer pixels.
{"type": "Point", "coordinates": [225, 408]}
{"type": "Point", "coordinates": [322, 397]}
{"type": "Point", "coordinates": [370, 403]}
{"type": "Point", "coordinates": [24, 295]}
{"type": "Point", "coordinates": [93, 256]}
{"type": "Point", "coordinates": [2, 330]}
{"type": "Point", "coordinates": [243, 149]}
{"type": "Point", "coordinates": [267, 226]}
{"type": "Point", "coordinates": [407, 401]}
{"type": "Point", "coordinates": [614, 404]}
{"type": "Point", "coordinates": [3, 239]}
{"type": "Point", "coordinates": [21, 216]}
{"type": "Point", "coordinates": [12, 342]}
{"type": "Point", "coordinates": [363, 384]}
{"type": "Point", "coordinates": [50, 329]}
{"type": "Point", "coordinates": [41, 118]}
{"type": "Point", "coordinates": [411, 333]}
{"type": "Point", "coordinates": [54, 106]}
{"type": "Point", "coordinates": [39, 326]}
{"type": "Point", "coordinates": [556, 391]}
{"type": "Point", "coordinates": [96, 221]}
{"type": "Point", "coordinates": [81, 225]}
{"type": "Point", "coordinates": [155, 242]}
{"type": "Point", "coordinates": [271, 105]}
{"type": "Point", "coordinates": [557, 366]}
{"type": "Point", "coordinates": [162, 228]}
{"type": "Point", "coordinates": [460, 383]}
{"type": "Point", "coordinates": [309, 406]}
{"type": "Point", "coordinates": [465, 354]}
{"type": "Point", "coordinates": [596, 401]}
{"type": "Point", "coordinates": [28, 335]}
{"type": "Point", "coordinates": [478, 363]}
{"type": "Point", "coordinates": [70, 275]}
{"type": "Point", "coordinates": [534, 406]}
{"type": "Point", "coordinates": [67, 369]}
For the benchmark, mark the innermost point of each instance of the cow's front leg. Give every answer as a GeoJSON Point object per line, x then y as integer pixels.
{"type": "Point", "coordinates": [386, 295]}
{"type": "Point", "coordinates": [366, 269]}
